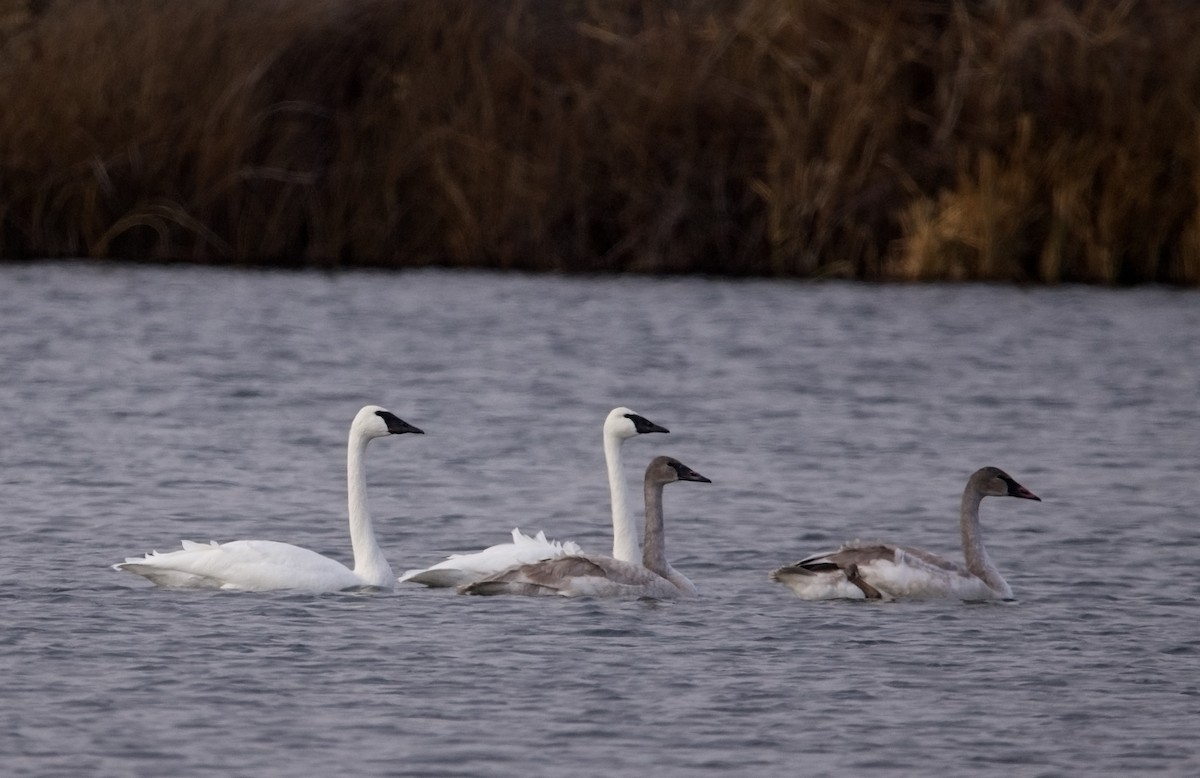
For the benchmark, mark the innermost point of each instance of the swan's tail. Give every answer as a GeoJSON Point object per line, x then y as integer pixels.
{"type": "Point", "coordinates": [157, 567]}
{"type": "Point", "coordinates": [782, 574]}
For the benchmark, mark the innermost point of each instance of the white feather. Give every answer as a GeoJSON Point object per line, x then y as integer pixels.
{"type": "Point", "coordinates": [459, 569]}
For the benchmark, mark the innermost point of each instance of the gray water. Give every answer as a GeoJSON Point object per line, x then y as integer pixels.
{"type": "Point", "coordinates": [139, 406]}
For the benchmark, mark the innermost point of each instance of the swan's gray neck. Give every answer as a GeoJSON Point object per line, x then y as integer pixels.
{"type": "Point", "coordinates": [654, 551]}
{"type": "Point", "coordinates": [369, 562]}
{"type": "Point", "coordinates": [978, 561]}
{"type": "Point", "coordinates": [625, 544]}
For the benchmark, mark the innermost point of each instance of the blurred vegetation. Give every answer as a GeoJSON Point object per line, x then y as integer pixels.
{"type": "Point", "coordinates": [1047, 141]}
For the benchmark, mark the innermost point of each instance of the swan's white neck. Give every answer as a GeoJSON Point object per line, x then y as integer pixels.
{"type": "Point", "coordinates": [654, 551]}
{"type": "Point", "coordinates": [978, 561]}
{"type": "Point", "coordinates": [369, 562]}
{"type": "Point", "coordinates": [625, 542]}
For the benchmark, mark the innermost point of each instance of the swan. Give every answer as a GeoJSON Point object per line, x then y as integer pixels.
{"type": "Point", "coordinates": [620, 425]}
{"type": "Point", "coordinates": [264, 565]}
{"type": "Point", "coordinates": [580, 575]}
{"type": "Point", "coordinates": [879, 571]}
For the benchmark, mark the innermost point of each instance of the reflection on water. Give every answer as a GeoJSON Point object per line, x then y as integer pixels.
{"type": "Point", "coordinates": [145, 405]}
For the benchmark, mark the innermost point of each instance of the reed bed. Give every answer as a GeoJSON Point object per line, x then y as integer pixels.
{"type": "Point", "coordinates": [1051, 141]}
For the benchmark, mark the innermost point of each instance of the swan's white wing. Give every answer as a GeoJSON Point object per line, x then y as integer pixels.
{"type": "Point", "coordinates": [459, 569]}
{"type": "Point", "coordinates": [255, 565]}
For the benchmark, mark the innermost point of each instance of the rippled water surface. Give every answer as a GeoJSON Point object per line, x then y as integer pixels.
{"type": "Point", "coordinates": [139, 406]}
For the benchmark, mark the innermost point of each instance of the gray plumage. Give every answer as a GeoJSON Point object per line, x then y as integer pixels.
{"type": "Point", "coordinates": [602, 576]}
{"type": "Point", "coordinates": [884, 571]}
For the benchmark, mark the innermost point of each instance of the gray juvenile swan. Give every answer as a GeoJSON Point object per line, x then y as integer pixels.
{"type": "Point", "coordinates": [620, 425]}
{"type": "Point", "coordinates": [263, 565]}
{"type": "Point", "coordinates": [582, 575]}
{"type": "Point", "coordinates": [878, 571]}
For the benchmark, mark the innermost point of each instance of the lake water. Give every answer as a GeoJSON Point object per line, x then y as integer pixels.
{"type": "Point", "coordinates": [142, 405]}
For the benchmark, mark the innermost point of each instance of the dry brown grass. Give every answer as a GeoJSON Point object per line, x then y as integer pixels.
{"type": "Point", "coordinates": [1038, 141]}
{"type": "Point", "coordinates": [1076, 149]}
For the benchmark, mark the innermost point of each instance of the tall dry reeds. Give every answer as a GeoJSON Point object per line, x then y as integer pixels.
{"type": "Point", "coordinates": [1076, 147]}
{"type": "Point", "coordinates": [1043, 141]}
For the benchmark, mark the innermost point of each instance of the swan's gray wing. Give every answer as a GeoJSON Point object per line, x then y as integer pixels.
{"type": "Point", "coordinates": [856, 554]}
{"type": "Point", "coordinates": [933, 560]}
{"type": "Point", "coordinates": [554, 571]}
{"type": "Point", "coordinates": [573, 576]}
{"type": "Point", "coordinates": [868, 570]}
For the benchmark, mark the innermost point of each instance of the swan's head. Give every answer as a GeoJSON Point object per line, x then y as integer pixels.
{"type": "Point", "coordinates": [623, 423]}
{"type": "Point", "coordinates": [994, 482]}
{"type": "Point", "coordinates": [665, 470]}
{"type": "Point", "coordinates": [375, 422]}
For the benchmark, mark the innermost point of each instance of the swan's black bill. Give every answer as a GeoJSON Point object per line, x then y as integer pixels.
{"type": "Point", "coordinates": [397, 425]}
{"type": "Point", "coordinates": [688, 474]}
{"type": "Point", "coordinates": [642, 424]}
{"type": "Point", "coordinates": [1016, 490]}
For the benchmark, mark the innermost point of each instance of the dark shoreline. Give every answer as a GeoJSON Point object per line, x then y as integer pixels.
{"type": "Point", "coordinates": [1035, 142]}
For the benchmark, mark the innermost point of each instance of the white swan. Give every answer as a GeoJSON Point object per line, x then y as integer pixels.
{"type": "Point", "coordinates": [877, 571]}
{"type": "Point", "coordinates": [263, 565]}
{"type": "Point", "coordinates": [620, 425]}
{"type": "Point", "coordinates": [584, 575]}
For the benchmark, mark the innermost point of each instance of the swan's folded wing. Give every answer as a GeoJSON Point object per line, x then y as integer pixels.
{"type": "Point", "coordinates": [460, 569]}
{"type": "Point", "coordinates": [256, 565]}
{"type": "Point", "coordinates": [816, 578]}
{"type": "Point", "coordinates": [931, 559]}
{"type": "Point", "coordinates": [575, 576]}
{"type": "Point", "coordinates": [855, 571]}
{"type": "Point", "coordinates": [852, 553]}
{"type": "Point", "coordinates": [863, 555]}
